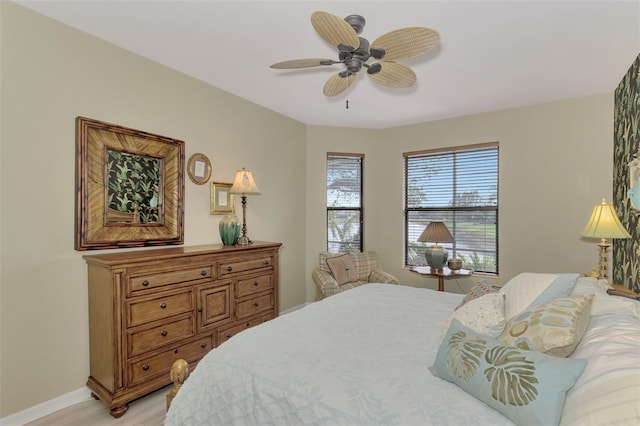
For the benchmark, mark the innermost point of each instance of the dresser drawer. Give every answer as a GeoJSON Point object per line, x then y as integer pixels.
{"type": "Point", "coordinates": [226, 334]}
{"type": "Point", "coordinates": [140, 371]}
{"type": "Point", "coordinates": [230, 267]}
{"type": "Point", "coordinates": [140, 312]}
{"type": "Point", "coordinates": [257, 284]}
{"type": "Point", "coordinates": [149, 339]}
{"type": "Point", "coordinates": [254, 305]}
{"type": "Point", "coordinates": [140, 283]}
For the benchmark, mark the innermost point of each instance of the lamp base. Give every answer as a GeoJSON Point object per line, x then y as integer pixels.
{"type": "Point", "coordinates": [436, 257]}
{"type": "Point", "coordinates": [244, 241]}
{"type": "Point", "coordinates": [603, 259]}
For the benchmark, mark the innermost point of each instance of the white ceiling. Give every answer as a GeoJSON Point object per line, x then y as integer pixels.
{"type": "Point", "coordinates": [493, 54]}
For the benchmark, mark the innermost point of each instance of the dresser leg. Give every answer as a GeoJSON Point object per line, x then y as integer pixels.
{"type": "Point", "coordinates": [94, 396]}
{"type": "Point", "coordinates": [118, 411]}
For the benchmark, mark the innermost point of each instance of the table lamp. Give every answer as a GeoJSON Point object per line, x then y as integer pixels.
{"type": "Point", "coordinates": [436, 255]}
{"type": "Point", "coordinates": [603, 224]}
{"type": "Point", "coordinates": [244, 185]}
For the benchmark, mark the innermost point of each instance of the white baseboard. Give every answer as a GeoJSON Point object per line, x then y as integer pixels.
{"type": "Point", "coordinates": [46, 408]}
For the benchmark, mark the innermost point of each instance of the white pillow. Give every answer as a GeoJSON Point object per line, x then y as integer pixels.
{"type": "Point", "coordinates": [484, 315]}
{"type": "Point", "coordinates": [603, 303]}
{"type": "Point", "coordinates": [523, 289]}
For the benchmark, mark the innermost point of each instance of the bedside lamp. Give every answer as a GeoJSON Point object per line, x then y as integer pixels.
{"type": "Point", "coordinates": [603, 224]}
{"type": "Point", "coordinates": [244, 185]}
{"type": "Point", "coordinates": [436, 255]}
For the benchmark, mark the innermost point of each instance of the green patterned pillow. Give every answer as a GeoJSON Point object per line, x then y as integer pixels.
{"type": "Point", "coordinates": [527, 387]}
{"type": "Point", "coordinates": [554, 328]}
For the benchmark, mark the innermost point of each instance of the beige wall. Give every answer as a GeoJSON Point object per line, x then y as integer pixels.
{"type": "Point", "coordinates": [555, 166]}
{"type": "Point", "coordinates": [52, 74]}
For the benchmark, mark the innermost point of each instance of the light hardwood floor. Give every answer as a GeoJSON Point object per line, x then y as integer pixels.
{"type": "Point", "coordinates": [147, 411]}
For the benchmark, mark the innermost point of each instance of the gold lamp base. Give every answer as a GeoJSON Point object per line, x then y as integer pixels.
{"type": "Point", "coordinates": [603, 262]}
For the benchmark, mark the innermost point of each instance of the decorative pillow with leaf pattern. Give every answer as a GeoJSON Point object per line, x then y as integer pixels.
{"type": "Point", "coordinates": [554, 328]}
{"type": "Point", "coordinates": [527, 387]}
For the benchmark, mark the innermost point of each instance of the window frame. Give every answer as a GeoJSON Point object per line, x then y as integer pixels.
{"type": "Point", "coordinates": [359, 209]}
{"type": "Point", "coordinates": [455, 209]}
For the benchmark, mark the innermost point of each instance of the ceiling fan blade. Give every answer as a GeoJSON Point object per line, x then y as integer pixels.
{"type": "Point", "coordinates": [334, 30]}
{"type": "Point", "coordinates": [302, 63]}
{"type": "Point", "coordinates": [394, 75]}
{"type": "Point", "coordinates": [407, 42]}
{"type": "Point", "coordinates": [337, 84]}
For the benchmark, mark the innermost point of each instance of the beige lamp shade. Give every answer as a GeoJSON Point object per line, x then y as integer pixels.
{"type": "Point", "coordinates": [436, 232]}
{"type": "Point", "coordinates": [604, 223]}
{"type": "Point", "coordinates": [244, 183]}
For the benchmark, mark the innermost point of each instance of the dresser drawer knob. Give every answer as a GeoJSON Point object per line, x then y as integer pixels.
{"type": "Point", "coordinates": [203, 273]}
{"type": "Point", "coordinates": [164, 333]}
{"type": "Point", "coordinates": [266, 262]}
{"type": "Point", "coordinates": [145, 367]}
{"type": "Point", "coordinates": [203, 345]}
{"type": "Point", "coordinates": [255, 283]}
{"type": "Point", "coordinates": [199, 309]}
{"type": "Point", "coordinates": [229, 268]}
{"type": "Point", "coordinates": [255, 303]}
{"type": "Point", "coordinates": [145, 283]}
{"type": "Point", "coordinates": [163, 306]}
{"type": "Point", "coordinates": [175, 352]}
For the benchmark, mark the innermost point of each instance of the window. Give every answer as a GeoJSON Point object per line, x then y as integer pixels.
{"type": "Point", "coordinates": [344, 202]}
{"type": "Point", "coordinates": [458, 186]}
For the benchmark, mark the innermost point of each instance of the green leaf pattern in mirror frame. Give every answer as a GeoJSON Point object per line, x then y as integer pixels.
{"type": "Point", "coordinates": [133, 180]}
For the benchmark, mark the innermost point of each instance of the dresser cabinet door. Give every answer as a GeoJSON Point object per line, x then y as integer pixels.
{"type": "Point", "coordinates": [214, 305]}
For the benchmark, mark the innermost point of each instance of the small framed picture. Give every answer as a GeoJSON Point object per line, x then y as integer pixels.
{"type": "Point", "coordinates": [199, 168]}
{"type": "Point", "coordinates": [222, 200]}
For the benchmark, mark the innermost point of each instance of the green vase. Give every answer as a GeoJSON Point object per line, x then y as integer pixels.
{"type": "Point", "coordinates": [229, 229]}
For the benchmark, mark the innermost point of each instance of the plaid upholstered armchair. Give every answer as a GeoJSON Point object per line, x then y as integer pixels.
{"type": "Point", "coordinates": [342, 271]}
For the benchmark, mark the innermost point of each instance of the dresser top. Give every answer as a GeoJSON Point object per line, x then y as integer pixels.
{"type": "Point", "coordinates": [172, 252]}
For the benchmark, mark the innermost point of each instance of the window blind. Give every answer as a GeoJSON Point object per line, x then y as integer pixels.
{"type": "Point", "coordinates": [459, 187]}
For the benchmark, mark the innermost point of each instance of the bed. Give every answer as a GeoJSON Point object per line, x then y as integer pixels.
{"type": "Point", "coordinates": [384, 354]}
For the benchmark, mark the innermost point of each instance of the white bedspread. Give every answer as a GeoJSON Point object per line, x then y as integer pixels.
{"type": "Point", "coordinates": [359, 358]}
{"type": "Point", "coordinates": [362, 357]}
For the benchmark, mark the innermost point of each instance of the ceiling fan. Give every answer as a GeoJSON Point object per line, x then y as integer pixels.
{"type": "Point", "coordinates": [355, 52]}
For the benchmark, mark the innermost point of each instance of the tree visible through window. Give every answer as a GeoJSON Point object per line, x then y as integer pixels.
{"type": "Point", "coordinates": [344, 202]}
{"type": "Point", "coordinates": [458, 186]}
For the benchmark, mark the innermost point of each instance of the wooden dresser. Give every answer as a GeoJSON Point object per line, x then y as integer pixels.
{"type": "Point", "coordinates": [151, 307]}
